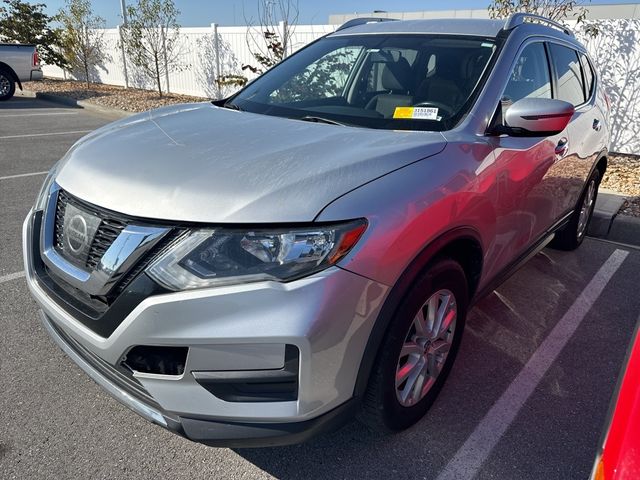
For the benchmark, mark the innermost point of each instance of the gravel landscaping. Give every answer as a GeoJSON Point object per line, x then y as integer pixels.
{"type": "Point", "coordinates": [623, 172]}
{"type": "Point", "coordinates": [623, 176]}
{"type": "Point", "coordinates": [127, 99]}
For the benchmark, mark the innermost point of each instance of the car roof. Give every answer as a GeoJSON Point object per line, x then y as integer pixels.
{"type": "Point", "coordinates": [458, 26]}
{"type": "Point", "coordinates": [451, 26]}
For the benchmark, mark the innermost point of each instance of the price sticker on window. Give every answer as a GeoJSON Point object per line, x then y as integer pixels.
{"type": "Point", "coordinates": [416, 113]}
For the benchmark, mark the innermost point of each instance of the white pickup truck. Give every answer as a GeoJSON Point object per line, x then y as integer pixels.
{"type": "Point", "coordinates": [18, 63]}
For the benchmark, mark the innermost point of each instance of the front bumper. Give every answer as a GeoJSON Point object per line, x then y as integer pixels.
{"type": "Point", "coordinates": [327, 316]}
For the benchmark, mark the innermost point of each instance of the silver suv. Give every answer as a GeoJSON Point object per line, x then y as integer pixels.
{"type": "Point", "coordinates": [263, 268]}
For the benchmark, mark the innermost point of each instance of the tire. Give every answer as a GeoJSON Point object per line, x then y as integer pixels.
{"type": "Point", "coordinates": [572, 234]}
{"type": "Point", "coordinates": [7, 85]}
{"type": "Point", "coordinates": [383, 409]}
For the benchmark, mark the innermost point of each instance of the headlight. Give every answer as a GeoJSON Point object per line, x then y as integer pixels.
{"type": "Point", "coordinates": [43, 196]}
{"type": "Point", "coordinates": [206, 258]}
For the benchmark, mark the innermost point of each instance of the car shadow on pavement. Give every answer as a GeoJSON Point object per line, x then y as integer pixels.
{"type": "Point", "coordinates": [502, 331]}
{"type": "Point", "coordinates": [350, 452]}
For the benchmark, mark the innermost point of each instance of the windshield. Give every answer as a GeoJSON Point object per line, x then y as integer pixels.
{"type": "Point", "coordinates": [400, 82]}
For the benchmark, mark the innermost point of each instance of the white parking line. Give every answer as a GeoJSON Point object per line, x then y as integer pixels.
{"type": "Point", "coordinates": [39, 114]}
{"type": "Point", "coordinates": [20, 175]}
{"type": "Point", "coordinates": [11, 276]}
{"type": "Point", "coordinates": [476, 449]}
{"type": "Point", "coordinates": [44, 134]}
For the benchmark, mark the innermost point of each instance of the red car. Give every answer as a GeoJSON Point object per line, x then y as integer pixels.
{"type": "Point", "coordinates": [619, 458]}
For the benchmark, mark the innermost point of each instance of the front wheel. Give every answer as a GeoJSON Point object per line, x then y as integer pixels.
{"type": "Point", "coordinates": [418, 350]}
{"type": "Point", "coordinates": [573, 233]}
{"type": "Point", "coordinates": [7, 85]}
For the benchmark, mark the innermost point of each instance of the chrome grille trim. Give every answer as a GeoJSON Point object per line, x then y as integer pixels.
{"type": "Point", "coordinates": [110, 261]}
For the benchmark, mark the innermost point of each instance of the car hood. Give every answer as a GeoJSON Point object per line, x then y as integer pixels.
{"type": "Point", "coordinates": [202, 163]}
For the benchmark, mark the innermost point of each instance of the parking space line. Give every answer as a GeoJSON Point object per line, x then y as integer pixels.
{"type": "Point", "coordinates": [44, 134]}
{"type": "Point", "coordinates": [11, 276]}
{"type": "Point", "coordinates": [468, 460]}
{"type": "Point", "coordinates": [39, 114]}
{"type": "Point", "coordinates": [20, 175]}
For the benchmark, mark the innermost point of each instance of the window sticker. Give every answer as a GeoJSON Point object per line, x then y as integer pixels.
{"type": "Point", "coordinates": [416, 113]}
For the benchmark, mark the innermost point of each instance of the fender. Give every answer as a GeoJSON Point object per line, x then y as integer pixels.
{"type": "Point", "coordinates": [397, 294]}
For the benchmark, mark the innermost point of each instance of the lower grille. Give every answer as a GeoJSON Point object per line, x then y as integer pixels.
{"type": "Point", "coordinates": [123, 380]}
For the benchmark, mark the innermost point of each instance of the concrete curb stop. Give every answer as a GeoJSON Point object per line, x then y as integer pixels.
{"type": "Point", "coordinates": [114, 113]}
{"type": "Point", "coordinates": [607, 224]}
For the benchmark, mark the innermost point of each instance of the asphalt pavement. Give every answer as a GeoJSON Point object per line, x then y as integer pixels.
{"type": "Point", "coordinates": [526, 399]}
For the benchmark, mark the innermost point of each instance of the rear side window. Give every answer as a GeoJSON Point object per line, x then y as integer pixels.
{"type": "Point", "coordinates": [588, 75]}
{"type": "Point", "coordinates": [530, 77]}
{"type": "Point", "coordinates": [568, 74]}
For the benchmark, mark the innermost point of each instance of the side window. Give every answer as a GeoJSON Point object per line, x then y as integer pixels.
{"type": "Point", "coordinates": [568, 74]}
{"type": "Point", "coordinates": [530, 77]}
{"type": "Point", "coordinates": [588, 75]}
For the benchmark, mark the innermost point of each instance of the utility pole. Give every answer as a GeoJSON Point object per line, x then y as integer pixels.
{"type": "Point", "coordinates": [123, 11]}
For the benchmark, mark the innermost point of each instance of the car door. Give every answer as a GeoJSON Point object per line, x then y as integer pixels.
{"type": "Point", "coordinates": [524, 165]}
{"type": "Point", "coordinates": [574, 84]}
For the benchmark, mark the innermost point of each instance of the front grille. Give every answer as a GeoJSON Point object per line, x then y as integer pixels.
{"type": "Point", "coordinates": [108, 230]}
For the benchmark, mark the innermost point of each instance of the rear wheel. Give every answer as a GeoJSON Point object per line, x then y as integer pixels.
{"type": "Point", "coordinates": [7, 85]}
{"type": "Point", "coordinates": [573, 233]}
{"type": "Point", "coordinates": [418, 350]}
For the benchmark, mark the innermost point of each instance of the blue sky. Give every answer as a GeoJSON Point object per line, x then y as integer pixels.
{"type": "Point", "coordinates": [200, 13]}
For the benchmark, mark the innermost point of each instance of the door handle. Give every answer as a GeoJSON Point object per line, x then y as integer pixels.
{"type": "Point", "coordinates": [562, 147]}
{"type": "Point", "coordinates": [596, 125]}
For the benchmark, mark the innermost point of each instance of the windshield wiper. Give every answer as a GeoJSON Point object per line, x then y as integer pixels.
{"type": "Point", "coordinates": [231, 106]}
{"type": "Point", "coordinates": [311, 118]}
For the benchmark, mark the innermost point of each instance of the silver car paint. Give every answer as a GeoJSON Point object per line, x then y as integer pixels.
{"type": "Point", "coordinates": [431, 198]}
{"type": "Point", "coordinates": [20, 59]}
{"type": "Point", "coordinates": [160, 164]}
{"type": "Point", "coordinates": [202, 163]}
{"type": "Point", "coordinates": [330, 336]}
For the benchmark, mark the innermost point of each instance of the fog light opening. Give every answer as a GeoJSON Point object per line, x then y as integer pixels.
{"type": "Point", "coordinates": [156, 359]}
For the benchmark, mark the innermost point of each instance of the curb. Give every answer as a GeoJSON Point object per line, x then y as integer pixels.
{"type": "Point", "coordinates": [115, 113]}
{"type": "Point", "coordinates": [606, 209]}
{"type": "Point", "coordinates": [608, 225]}
{"type": "Point", "coordinates": [625, 229]}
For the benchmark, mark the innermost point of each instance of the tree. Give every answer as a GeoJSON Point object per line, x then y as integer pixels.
{"type": "Point", "coordinates": [268, 41]}
{"type": "Point", "coordinates": [24, 22]}
{"type": "Point", "coordinates": [557, 10]}
{"type": "Point", "coordinates": [82, 41]}
{"type": "Point", "coordinates": [150, 38]}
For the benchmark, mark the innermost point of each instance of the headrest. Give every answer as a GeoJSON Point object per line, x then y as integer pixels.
{"type": "Point", "coordinates": [396, 75]}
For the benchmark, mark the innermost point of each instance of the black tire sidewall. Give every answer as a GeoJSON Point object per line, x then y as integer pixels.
{"type": "Point", "coordinates": [567, 238]}
{"type": "Point", "coordinates": [12, 87]}
{"type": "Point", "coordinates": [444, 274]}
{"type": "Point", "coordinates": [594, 177]}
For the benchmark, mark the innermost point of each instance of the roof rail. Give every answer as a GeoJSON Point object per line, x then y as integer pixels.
{"type": "Point", "coordinates": [519, 18]}
{"type": "Point", "coordinates": [362, 20]}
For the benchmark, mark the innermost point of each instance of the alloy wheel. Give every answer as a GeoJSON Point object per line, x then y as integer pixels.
{"type": "Point", "coordinates": [5, 85]}
{"type": "Point", "coordinates": [426, 347]}
{"type": "Point", "coordinates": [585, 209]}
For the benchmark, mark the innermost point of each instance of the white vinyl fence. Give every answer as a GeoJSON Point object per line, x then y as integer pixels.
{"type": "Point", "coordinates": [209, 52]}
{"type": "Point", "coordinates": [202, 58]}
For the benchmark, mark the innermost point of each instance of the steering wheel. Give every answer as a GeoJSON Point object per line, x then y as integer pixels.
{"type": "Point", "coordinates": [440, 106]}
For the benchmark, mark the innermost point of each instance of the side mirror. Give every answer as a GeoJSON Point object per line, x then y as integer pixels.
{"type": "Point", "coordinates": [537, 117]}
